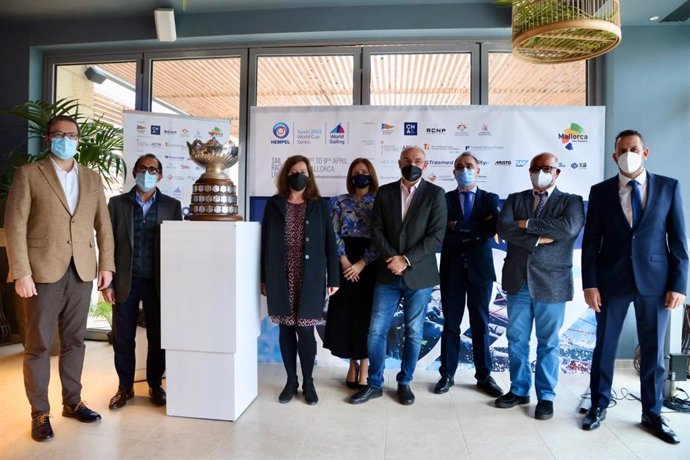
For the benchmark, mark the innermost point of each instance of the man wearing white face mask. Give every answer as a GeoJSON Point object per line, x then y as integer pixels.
{"type": "Point", "coordinates": [540, 226]}
{"type": "Point", "coordinates": [467, 274]}
{"type": "Point", "coordinates": [633, 251]}
{"type": "Point", "coordinates": [53, 208]}
{"type": "Point", "coordinates": [136, 217]}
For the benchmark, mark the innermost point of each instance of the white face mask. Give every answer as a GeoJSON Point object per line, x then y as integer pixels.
{"type": "Point", "coordinates": [541, 179]}
{"type": "Point", "coordinates": [629, 162]}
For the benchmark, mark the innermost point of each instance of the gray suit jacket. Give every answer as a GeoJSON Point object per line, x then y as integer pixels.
{"type": "Point", "coordinates": [120, 208]}
{"type": "Point", "coordinates": [418, 237]}
{"type": "Point", "coordinates": [546, 268]}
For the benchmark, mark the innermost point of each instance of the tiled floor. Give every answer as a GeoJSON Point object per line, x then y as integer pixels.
{"type": "Point", "coordinates": [460, 424]}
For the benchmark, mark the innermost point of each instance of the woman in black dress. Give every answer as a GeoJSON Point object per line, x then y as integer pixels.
{"type": "Point", "coordinates": [349, 311]}
{"type": "Point", "coordinates": [299, 265]}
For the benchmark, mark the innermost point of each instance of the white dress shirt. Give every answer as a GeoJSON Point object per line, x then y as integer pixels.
{"type": "Point", "coordinates": [406, 196]}
{"type": "Point", "coordinates": [70, 184]}
{"type": "Point", "coordinates": [625, 192]}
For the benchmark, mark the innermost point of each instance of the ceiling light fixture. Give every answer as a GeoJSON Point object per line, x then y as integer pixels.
{"type": "Point", "coordinates": [555, 31]}
{"type": "Point", "coordinates": [165, 24]}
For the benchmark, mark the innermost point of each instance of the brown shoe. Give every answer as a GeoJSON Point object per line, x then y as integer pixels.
{"type": "Point", "coordinates": [120, 399]}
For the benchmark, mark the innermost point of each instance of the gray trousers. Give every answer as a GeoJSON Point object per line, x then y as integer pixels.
{"type": "Point", "coordinates": [64, 303]}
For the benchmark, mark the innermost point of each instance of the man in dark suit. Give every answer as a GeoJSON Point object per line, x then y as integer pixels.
{"type": "Point", "coordinates": [467, 274]}
{"type": "Point", "coordinates": [136, 217]}
{"type": "Point", "coordinates": [409, 222]}
{"type": "Point", "coordinates": [633, 250]}
{"type": "Point", "coordinates": [540, 226]}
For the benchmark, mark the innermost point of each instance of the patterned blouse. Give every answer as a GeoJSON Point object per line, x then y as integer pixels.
{"type": "Point", "coordinates": [352, 218]}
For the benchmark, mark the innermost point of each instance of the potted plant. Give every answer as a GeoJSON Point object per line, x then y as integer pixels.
{"type": "Point", "coordinates": [103, 310]}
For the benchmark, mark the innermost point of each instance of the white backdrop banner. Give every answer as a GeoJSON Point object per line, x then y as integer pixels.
{"type": "Point", "coordinates": [504, 139]}
{"type": "Point", "coordinates": [166, 136]}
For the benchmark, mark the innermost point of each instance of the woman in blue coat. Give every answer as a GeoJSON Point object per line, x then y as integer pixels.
{"type": "Point", "coordinates": [299, 267]}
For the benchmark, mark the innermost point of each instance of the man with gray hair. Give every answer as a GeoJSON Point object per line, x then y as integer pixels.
{"type": "Point", "coordinates": [540, 226]}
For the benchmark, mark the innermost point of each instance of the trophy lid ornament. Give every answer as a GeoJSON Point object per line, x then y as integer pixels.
{"type": "Point", "coordinates": [214, 195]}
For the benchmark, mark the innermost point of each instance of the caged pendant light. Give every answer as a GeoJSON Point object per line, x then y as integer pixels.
{"type": "Point", "coordinates": [555, 31]}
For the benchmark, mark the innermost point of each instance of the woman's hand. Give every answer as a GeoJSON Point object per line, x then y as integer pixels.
{"type": "Point", "coordinates": [352, 273]}
{"type": "Point", "coordinates": [345, 263]}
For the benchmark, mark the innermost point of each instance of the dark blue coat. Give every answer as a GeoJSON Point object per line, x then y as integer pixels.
{"type": "Point", "coordinates": [321, 266]}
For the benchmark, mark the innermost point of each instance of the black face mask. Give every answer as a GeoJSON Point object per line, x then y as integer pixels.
{"type": "Point", "coordinates": [297, 181]}
{"type": "Point", "coordinates": [411, 172]}
{"type": "Point", "coordinates": [361, 180]}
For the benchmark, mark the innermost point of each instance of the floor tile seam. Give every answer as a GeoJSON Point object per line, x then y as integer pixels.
{"type": "Point", "coordinates": [459, 422]}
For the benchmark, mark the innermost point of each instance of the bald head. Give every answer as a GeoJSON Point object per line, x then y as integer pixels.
{"type": "Point", "coordinates": [544, 158]}
{"type": "Point", "coordinates": [414, 151]}
{"type": "Point", "coordinates": [543, 170]}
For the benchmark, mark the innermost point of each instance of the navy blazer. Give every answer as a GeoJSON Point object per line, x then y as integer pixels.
{"type": "Point", "coordinates": [471, 240]}
{"type": "Point", "coordinates": [321, 263]}
{"type": "Point", "coordinates": [547, 268]}
{"type": "Point", "coordinates": [417, 237]}
{"type": "Point", "coordinates": [120, 208]}
{"type": "Point", "coordinates": [652, 258]}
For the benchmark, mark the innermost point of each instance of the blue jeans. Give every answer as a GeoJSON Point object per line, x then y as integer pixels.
{"type": "Point", "coordinates": [387, 297]}
{"type": "Point", "coordinates": [523, 310]}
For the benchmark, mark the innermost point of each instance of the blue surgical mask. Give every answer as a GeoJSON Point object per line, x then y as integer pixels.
{"type": "Point", "coordinates": [146, 181]}
{"type": "Point", "coordinates": [464, 177]}
{"type": "Point", "coordinates": [64, 148]}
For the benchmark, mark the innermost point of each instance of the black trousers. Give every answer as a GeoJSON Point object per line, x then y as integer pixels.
{"type": "Point", "coordinates": [125, 315]}
{"type": "Point", "coordinates": [455, 296]}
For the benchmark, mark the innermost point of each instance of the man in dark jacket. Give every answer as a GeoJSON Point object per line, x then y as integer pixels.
{"type": "Point", "coordinates": [136, 217]}
{"type": "Point", "coordinates": [467, 274]}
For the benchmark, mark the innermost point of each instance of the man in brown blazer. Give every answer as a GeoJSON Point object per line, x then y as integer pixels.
{"type": "Point", "coordinates": [53, 208]}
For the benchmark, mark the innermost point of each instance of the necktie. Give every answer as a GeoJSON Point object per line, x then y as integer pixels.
{"type": "Point", "coordinates": [636, 202]}
{"type": "Point", "coordinates": [540, 204]}
{"type": "Point", "coordinates": [467, 201]}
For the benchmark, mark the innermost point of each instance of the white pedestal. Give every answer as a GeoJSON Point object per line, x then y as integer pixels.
{"type": "Point", "coordinates": [210, 316]}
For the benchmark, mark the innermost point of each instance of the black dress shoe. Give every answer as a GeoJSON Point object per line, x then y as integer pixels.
{"type": "Point", "coordinates": [365, 394]}
{"type": "Point", "coordinates": [353, 385]}
{"type": "Point", "coordinates": [405, 395]}
{"type": "Point", "coordinates": [40, 428]}
{"type": "Point", "coordinates": [81, 413]}
{"type": "Point", "coordinates": [310, 395]}
{"type": "Point", "coordinates": [544, 410]}
{"type": "Point", "coordinates": [289, 390]}
{"type": "Point", "coordinates": [656, 425]}
{"type": "Point", "coordinates": [593, 419]}
{"type": "Point", "coordinates": [158, 396]}
{"type": "Point", "coordinates": [490, 387]}
{"type": "Point", "coordinates": [443, 385]}
{"type": "Point", "coordinates": [510, 399]}
{"type": "Point", "coordinates": [120, 399]}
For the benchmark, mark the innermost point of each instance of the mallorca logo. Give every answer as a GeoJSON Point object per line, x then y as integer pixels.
{"type": "Point", "coordinates": [281, 131]}
{"type": "Point", "coordinates": [574, 134]}
{"type": "Point", "coordinates": [215, 132]}
{"type": "Point", "coordinates": [387, 129]}
{"type": "Point", "coordinates": [337, 135]}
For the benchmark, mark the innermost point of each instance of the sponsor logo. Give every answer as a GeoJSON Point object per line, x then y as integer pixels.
{"type": "Point", "coordinates": [410, 128]}
{"type": "Point", "coordinates": [173, 157]}
{"type": "Point", "coordinates": [197, 134]}
{"type": "Point", "coordinates": [483, 162]}
{"type": "Point", "coordinates": [578, 165]}
{"type": "Point", "coordinates": [141, 128]}
{"type": "Point", "coordinates": [155, 130]}
{"type": "Point", "coordinates": [387, 129]}
{"type": "Point", "coordinates": [575, 134]}
{"type": "Point", "coordinates": [170, 131]}
{"type": "Point", "coordinates": [337, 135]}
{"type": "Point", "coordinates": [520, 163]}
{"type": "Point", "coordinates": [215, 132]}
{"type": "Point", "coordinates": [436, 130]}
{"type": "Point", "coordinates": [143, 144]}
{"type": "Point", "coordinates": [184, 132]}
{"type": "Point", "coordinates": [307, 136]}
{"type": "Point", "coordinates": [461, 130]}
{"type": "Point", "coordinates": [503, 163]}
{"type": "Point", "coordinates": [427, 146]}
{"type": "Point", "coordinates": [281, 131]}
{"type": "Point", "coordinates": [156, 145]}
{"type": "Point", "coordinates": [485, 131]}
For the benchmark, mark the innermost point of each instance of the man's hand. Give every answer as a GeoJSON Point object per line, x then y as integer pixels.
{"type": "Point", "coordinates": [451, 225]}
{"type": "Point", "coordinates": [521, 224]}
{"type": "Point", "coordinates": [352, 272]}
{"type": "Point", "coordinates": [593, 299]}
{"type": "Point", "coordinates": [674, 300]}
{"type": "Point", "coordinates": [544, 240]}
{"type": "Point", "coordinates": [25, 287]}
{"type": "Point", "coordinates": [396, 264]}
{"type": "Point", "coordinates": [109, 295]}
{"type": "Point", "coordinates": [331, 290]}
{"type": "Point", "coordinates": [105, 277]}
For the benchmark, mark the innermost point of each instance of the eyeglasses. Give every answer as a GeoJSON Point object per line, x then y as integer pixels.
{"type": "Point", "coordinates": [61, 135]}
{"type": "Point", "coordinates": [546, 169]}
{"type": "Point", "coordinates": [150, 169]}
{"type": "Point", "coordinates": [461, 167]}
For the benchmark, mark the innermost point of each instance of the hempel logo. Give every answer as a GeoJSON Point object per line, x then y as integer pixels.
{"type": "Point", "coordinates": [281, 131]}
